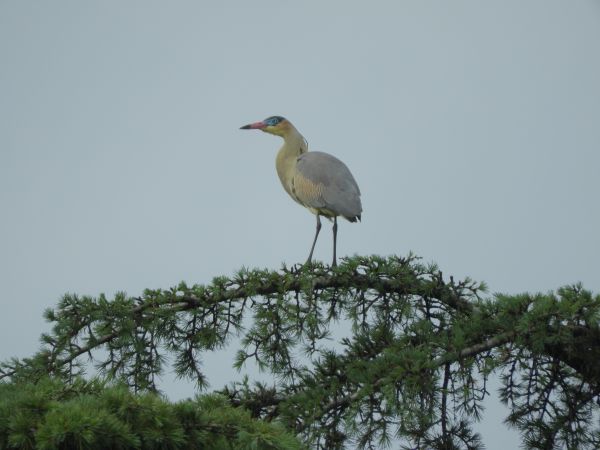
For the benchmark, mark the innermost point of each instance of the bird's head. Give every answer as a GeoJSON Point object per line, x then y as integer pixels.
{"type": "Point", "coordinates": [276, 125]}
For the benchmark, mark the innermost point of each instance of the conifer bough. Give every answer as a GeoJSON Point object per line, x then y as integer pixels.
{"type": "Point", "coordinates": [414, 366]}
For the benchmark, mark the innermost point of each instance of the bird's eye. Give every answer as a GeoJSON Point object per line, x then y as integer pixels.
{"type": "Point", "coordinates": [272, 121]}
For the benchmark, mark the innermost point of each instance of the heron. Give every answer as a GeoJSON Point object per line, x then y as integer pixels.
{"type": "Point", "coordinates": [318, 181]}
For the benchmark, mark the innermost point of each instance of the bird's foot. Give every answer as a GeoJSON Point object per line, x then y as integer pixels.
{"type": "Point", "coordinates": [308, 264]}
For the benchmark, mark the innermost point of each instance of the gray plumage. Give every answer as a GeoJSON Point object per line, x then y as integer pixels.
{"type": "Point", "coordinates": [340, 194]}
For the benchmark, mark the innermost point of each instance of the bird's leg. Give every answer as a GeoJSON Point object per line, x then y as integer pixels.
{"type": "Point", "coordinates": [334, 263]}
{"type": "Point", "coordinates": [315, 240]}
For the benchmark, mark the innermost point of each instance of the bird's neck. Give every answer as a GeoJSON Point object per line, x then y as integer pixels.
{"type": "Point", "coordinates": [294, 145]}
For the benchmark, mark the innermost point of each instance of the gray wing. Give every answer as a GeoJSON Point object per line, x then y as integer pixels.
{"type": "Point", "coordinates": [324, 183]}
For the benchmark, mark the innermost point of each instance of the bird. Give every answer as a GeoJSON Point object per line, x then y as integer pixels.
{"type": "Point", "coordinates": [316, 180]}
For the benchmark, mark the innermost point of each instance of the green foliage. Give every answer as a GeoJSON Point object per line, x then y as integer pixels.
{"type": "Point", "coordinates": [414, 366]}
{"type": "Point", "coordinates": [50, 415]}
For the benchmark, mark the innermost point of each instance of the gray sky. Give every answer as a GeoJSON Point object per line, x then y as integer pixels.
{"type": "Point", "coordinates": [472, 128]}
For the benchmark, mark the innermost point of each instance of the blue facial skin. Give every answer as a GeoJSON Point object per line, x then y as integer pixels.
{"type": "Point", "coordinates": [273, 120]}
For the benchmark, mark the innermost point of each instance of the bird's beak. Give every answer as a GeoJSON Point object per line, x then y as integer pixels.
{"type": "Point", "coordinates": [254, 126]}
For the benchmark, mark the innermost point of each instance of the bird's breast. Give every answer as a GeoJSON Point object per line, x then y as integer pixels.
{"type": "Point", "coordinates": [307, 191]}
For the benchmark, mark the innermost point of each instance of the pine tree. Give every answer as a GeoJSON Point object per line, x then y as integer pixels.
{"type": "Point", "coordinates": [52, 415]}
{"type": "Point", "coordinates": [414, 366]}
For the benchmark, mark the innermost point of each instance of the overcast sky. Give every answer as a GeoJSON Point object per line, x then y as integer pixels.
{"type": "Point", "coordinates": [472, 128]}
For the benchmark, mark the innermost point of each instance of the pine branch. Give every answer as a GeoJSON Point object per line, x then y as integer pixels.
{"type": "Point", "coordinates": [416, 362]}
